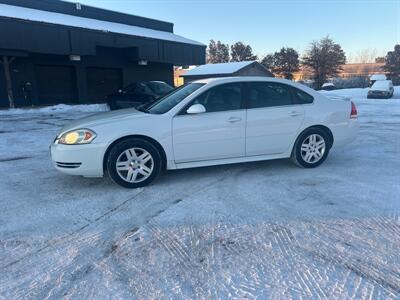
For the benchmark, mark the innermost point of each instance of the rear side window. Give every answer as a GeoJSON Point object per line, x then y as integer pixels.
{"type": "Point", "coordinates": [268, 94]}
{"type": "Point", "coordinates": [302, 97]}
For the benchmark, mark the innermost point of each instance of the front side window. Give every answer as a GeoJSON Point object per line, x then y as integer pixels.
{"type": "Point", "coordinates": [169, 101]}
{"type": "Point", "coordinates": [221, 98]}
{"type": "Point", "coordinates": [268, 94]}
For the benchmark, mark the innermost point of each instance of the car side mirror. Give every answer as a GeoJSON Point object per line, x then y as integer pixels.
{"type": "Point", "coordinates": [196, 109]}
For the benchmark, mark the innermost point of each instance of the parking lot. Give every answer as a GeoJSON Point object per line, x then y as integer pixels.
{"type": "Point", "coordinates": [264, 229]}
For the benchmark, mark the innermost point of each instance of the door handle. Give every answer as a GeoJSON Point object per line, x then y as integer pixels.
{"type": "Point", "coordinates": [295, 114]}
{"type": "Point", "coordinates": [234, 119]}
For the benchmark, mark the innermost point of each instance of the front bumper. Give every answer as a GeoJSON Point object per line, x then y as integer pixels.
{"type": "Point", "coordinates": [84, 160]}
{"type": "Point", "coordinates": [378, 95]}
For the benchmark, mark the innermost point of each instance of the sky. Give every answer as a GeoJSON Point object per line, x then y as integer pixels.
{"type": "Point", "coordinates": [268, 25]}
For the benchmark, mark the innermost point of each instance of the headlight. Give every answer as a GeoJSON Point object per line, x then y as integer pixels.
{"type": "Point", "coordinates": [76, 137]}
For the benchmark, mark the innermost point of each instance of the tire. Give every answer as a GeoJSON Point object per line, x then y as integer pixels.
{"type": "Point", "coordinates": [134, 163]}
{"type": "Point", "coordinates": [316, 152]}
{"type": "Point", "coordinates": [113, 105]}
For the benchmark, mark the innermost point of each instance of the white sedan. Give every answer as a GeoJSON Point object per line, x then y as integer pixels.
{"type": "Point", "coordinates": [381, 89]}
{"type": "Point", "coordinates": [207, 122]}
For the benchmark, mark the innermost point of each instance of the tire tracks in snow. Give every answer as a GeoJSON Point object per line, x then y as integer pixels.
{"type": "Point", "coordinates": [359, 253]}
{"type": "Point", "coordinates": [52, 243]}
{"type": "Point", "coordinates": [76, 268]}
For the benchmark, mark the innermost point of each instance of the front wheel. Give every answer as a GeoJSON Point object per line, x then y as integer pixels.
{"type": "Point", "coordinates": [134, 163]}
{"type": "Point", "coordinates": [311, 148]}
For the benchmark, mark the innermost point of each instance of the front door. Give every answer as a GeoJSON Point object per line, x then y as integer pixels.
{"type": "Point", "coordinates": [216, 134]}
{"type": "Point", "coordinates": [273, 118]}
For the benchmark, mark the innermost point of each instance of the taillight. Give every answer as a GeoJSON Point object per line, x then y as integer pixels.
{"type": "Point", "coordinates": [353, 114]}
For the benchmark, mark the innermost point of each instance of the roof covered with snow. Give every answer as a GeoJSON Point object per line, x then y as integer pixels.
{"type": "Point", "coordinates": [382, 84]}
{"type": "Point", "coordinates": [36, 15]}
{"type": "Point", "coordinates": [220, 69]}
{"type": "Point", "coordinates": [378, 77]}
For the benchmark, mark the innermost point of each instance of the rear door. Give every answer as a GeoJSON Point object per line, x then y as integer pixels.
{"type": "Point", "coordinates": [216, 134]}
{"type": "Point", "coordinates": [273, 118]}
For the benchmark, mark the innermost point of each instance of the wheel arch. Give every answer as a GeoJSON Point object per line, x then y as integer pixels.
{"type": "Point", "coordinates": [321, 127]}
{"type": "Point", "coordinates": [159, 147]}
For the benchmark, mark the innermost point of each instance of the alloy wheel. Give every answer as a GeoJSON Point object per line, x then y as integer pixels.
{"type": "Point", "coordinates": [135, 165]}
{"type": "Point", "coordinates": [313, 148]}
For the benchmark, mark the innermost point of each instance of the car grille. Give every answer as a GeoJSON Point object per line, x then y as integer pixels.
{"type": "Point", "coordinates": [68, 165]}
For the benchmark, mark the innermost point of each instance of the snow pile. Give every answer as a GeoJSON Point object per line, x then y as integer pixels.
{"type": "Point", "coordinates": [348, 93]}
{"type": "Point", "coordinates": [359, 93]}
{"type": "Point", "coordinates": [60, 108]}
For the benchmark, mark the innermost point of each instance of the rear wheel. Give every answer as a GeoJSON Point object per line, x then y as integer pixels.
{"type": "Point", "coordinates": [134, 163]}
{"type": "Point", "coordinates": [311, 148]}
{"type": "Point", "coordinates": [113, 105]}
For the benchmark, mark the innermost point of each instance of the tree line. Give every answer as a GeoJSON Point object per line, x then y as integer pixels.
{"type": "Point", "coordinates": [324, 58]}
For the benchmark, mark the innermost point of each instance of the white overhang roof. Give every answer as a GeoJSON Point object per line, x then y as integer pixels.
{"type": "Point", "coordinates": [36, 15]}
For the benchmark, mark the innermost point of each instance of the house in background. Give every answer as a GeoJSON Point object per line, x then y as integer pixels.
{"type": "Point", "coordinates": [361, 70]}
{"type": "Point", "coordinates": [243, 68]}
{"type": "Point", "coordinates": [60, 52]}
{"type": "Point", "coordinates": [348, 71]}
{"type": "Point", "coordinates": [178, 74]}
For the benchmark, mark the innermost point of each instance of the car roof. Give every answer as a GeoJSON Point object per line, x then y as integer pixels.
{"type": "Point", "coordinates": [221, 80]}
{"type": "Point", "coordinates": [156, 81]}
{"type": "Point", "coordinates": [242, 78]}
{"type": "Point", "coordinates": [378, 77]}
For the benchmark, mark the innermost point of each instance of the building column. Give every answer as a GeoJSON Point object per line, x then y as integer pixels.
{"type": "Point", "coordinates": [6, 62]}
{"type": "Point", "coordinates": [81, 84]}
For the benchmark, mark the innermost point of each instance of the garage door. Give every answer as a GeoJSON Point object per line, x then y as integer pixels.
{"type": "Point", "coordinates": [102, 82]}
{"type": "Point", "coordinates": [56, 84]}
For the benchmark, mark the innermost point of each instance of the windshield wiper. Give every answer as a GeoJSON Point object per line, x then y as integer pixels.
{"type": "Point", "coordinates": [143, 109]}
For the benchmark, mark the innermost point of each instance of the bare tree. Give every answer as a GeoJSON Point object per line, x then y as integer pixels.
{"type": "Point", "coordinates": [367, 55]}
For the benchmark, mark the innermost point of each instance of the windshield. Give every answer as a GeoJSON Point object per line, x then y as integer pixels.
{"type": "Point", "coordinates": [139, 88]}
{"type": "Point", "coordinates": [169, 101]}
{"type": "Point", "coordinates": [160, 88]}
{"type": "Point", "coordinates": [381, 84]}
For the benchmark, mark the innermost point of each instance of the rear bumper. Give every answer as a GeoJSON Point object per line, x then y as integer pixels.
{"type": "Point", "coordinates": [346, 134]}
{"type": "Point", "coordinates": [84, 160]}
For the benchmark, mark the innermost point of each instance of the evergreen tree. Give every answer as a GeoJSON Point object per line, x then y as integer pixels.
{"type": "Point", "coordinates": [242, 52]}
{"type": "Point", "coordinates": [325, 58]}
{"type": "Point", "coordinates": [393, 64]}
{"type": "Point", "coordinates": [286, 62]}
{"type": "Point", "coordinates": [268, 62]}
{"type": "Point", "coordinates": [217, 52]}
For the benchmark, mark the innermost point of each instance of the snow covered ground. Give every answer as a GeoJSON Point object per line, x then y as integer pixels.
{"type": "Point", "coordinates": [257, 230]}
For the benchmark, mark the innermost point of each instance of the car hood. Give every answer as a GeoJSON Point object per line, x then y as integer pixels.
{"type": "Point", "coordinates": [104, 118]}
